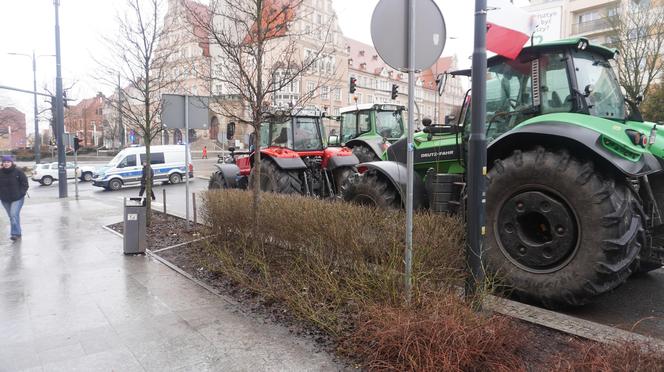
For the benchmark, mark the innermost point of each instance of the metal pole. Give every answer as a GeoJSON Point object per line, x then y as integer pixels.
{"type": "Point", "coordinates": [76, 173]}
{"type": "Point", "coordinates": [164, 198]}
{"type": "Point", "coordinates": [408, 254]}
{"type": "Point", "coordinates": [34, 88]}
{"type": "Point", "coordinates": [59, 109]}
{"type": "Point", "coordinates": [186, 157]}
{"type": "Point", "coordinates": [477, 156]}
{"type": "Point", "coordinates": [193, 201]}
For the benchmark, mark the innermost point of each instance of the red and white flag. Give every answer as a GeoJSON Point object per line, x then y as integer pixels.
{"type": "Point", "coordinates": [508, 29]}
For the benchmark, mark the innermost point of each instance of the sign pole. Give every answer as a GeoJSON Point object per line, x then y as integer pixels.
{"type": "Point", "coordinates": [477, 157]}
{"type": "Point", "coordinates": [186, 157]}
{"type": "Point", "coordinates": [408, 253]}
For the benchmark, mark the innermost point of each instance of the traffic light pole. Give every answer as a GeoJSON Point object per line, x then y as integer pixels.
{"type": "Point", "coordinates": [59, 110]}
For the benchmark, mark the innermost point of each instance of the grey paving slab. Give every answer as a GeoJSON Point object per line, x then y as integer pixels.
{"type": "Point", "coordinates": [71, 301]}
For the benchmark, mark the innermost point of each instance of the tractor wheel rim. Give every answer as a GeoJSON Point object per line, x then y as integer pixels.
{"type": "Point", "coordinates": [537, 231]}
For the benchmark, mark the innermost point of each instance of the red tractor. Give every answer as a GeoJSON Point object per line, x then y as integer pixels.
{"type": "Point", "coordinates": [294, 158]}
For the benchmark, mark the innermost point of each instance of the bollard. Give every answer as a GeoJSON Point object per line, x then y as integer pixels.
{"type": "Point", "coordinates": [193, 198]}
{"type": "Point", "coordinates": [164, 190]}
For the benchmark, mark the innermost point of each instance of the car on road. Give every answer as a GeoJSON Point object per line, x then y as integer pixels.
{"type": "Point", "coordinates": [167, 161]}
{"type": "Point", "coordinates": [45, 174]}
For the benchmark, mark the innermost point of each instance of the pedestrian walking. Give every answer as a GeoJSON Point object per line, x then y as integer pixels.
{"type": "Point", "coordinates": [144, 180]}
{"type": "Point", "coordinates": [13, 187]}
{"type": "Point", "coordinates": [204, 152]}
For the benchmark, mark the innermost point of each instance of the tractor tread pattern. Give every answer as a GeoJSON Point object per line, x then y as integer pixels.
{"type": "Point", "coordinates": [617, 224]}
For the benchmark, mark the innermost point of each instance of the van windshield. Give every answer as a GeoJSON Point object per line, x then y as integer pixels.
{"type": "Point", "coordinates": [116, 159]}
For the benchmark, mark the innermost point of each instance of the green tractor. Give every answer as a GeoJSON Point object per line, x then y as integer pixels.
{"type": "Point", "coordinates": [575, 176]}
{"type": "Point", "coordinates": [369, 129]}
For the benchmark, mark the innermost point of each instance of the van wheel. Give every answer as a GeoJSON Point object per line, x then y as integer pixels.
{"type": "Point", "coordinates": [87, 177]}
{"type": "Point", "coordinates": [175, 178]}
{"type": "Point", "coordinates": [115, 184]}
{"type": "Point", "coordinates": [46, 181]}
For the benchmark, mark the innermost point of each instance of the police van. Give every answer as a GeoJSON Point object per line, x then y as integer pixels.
{"type": "Point", "coordinates": [168, 163]}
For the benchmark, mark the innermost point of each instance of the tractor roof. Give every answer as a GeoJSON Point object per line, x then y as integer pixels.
{"type": "Point", "coordinates": [371, 106]}
{"type": "Point", "coordinates": [578, 42]}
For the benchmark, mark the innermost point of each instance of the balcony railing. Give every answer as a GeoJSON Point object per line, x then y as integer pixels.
{"type": "Point", "coordinates": [592, 26]}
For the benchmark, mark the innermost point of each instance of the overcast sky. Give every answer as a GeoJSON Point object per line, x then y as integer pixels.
{"type": "Point", "coordinates": [29, 24]}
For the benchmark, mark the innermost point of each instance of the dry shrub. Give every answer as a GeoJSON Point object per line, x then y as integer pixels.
{"type": "Point", "coordinates": [328, 260]}
{"type": "Point", "coordinates": [623, 357]}
{"type": "Point", "coordinates": [440, 334]}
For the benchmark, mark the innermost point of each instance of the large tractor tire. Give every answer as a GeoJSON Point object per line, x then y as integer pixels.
{"type": "Point", "coordinates": [365, 154]}
{"type": "Point", "coordinates": [216, 181]}
{"type": "Point", "coordinates": [370, 189]}
{"type": "Point", "coordinates": [275, 179]}
{"type": "Point", "coordinates": [340, 176]}
{"type": "Point", "coordinates": [558, 231]}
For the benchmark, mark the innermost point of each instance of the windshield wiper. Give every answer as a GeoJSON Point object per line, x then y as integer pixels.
{"type": "Point", "coordinates": [601, 63]}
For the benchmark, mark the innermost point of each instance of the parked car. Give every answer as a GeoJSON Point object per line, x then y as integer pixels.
{"type": "Point", "coordinates": [45, 174]}
{"type": "Point", "coordinates": [168, 163]}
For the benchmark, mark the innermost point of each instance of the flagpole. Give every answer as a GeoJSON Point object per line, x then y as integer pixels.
{"type": "Point", "coordinates": [477, 156]}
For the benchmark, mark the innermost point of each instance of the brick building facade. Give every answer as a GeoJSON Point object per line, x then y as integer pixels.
{"type": "Point", "coordinates": [12, 129]}
{"type": "Point", "coordinates": [85, 119]}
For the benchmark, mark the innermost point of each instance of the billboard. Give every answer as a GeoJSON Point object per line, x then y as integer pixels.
{"type": "Point", "coordinates": [548, 24]}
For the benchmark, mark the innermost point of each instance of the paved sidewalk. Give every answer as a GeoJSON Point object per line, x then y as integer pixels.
{"type": "Point", "coordinates": [70, 300]}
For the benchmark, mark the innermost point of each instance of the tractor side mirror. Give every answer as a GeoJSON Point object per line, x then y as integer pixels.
{"type": "Point", "coordinates": [449, 119]}
{"type": "Point", "coordinates": [441, 81]}
{"type": "Point", "coordinates": [333, 140]}
{"type": "Point", "coordinates": [230, 130]}
{"type": "Point", "coordinates": [639, 99]}
{"type": "Point", "coordinates": [588, 89]}
{"type": "Point", "coordinates": [426, 122]}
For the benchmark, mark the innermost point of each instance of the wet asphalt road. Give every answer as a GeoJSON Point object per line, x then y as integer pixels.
{"type": "Point", "coordinates": [637, 305]}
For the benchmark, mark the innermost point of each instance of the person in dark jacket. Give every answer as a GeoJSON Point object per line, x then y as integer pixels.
{"type": "Point", "coordinates": [13, 187]}
{"type": "Point", "coordinates": [144, 179]}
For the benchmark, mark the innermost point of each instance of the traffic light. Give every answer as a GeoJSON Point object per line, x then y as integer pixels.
{"type": "Point", "coordinates": [395, 91]}
{"type": "Point", "coordinates": [353, 85]}
{"type": "Point", "coordinates": [77, 144]}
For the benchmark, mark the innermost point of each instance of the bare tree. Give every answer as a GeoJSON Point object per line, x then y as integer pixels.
{"type": "Point", "coordinates": [262, 47]}
{"type": "Point", "coordinates": [140, 54]}
{"type": "Point", "coordinates": [639, 37]}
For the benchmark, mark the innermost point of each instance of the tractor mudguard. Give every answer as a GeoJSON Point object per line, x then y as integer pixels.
{"type": "Point", "coordinates": [286, 163]}
{"type": "Point", "coordinates": [372, 143]}
{"type": "Point", "coordinates": [566, 136]}
{"type": "Point", "coordinates": [397, 174]}
{"type": "Point", "coordinates": [342, 161]}
{"type": "Point", "coordinates": [231, 173]}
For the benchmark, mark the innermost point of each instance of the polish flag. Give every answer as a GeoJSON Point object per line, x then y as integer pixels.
{"type": "Point", "coordinates": [508, 29]}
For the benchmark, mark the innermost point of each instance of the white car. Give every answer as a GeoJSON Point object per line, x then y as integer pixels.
{"type": "Point", "coordinates": [45, 174]}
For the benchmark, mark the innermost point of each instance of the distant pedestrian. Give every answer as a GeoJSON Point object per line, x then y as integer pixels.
{"type": "Point", "coordinates": [13, 187]}
{"type": "Point", "coordinates": [144, 180]}
{"type": "Point", "coordinates": [204, 152]}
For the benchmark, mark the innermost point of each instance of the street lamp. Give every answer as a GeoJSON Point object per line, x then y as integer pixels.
{"type": "Point", "coordinates": [34, 90]}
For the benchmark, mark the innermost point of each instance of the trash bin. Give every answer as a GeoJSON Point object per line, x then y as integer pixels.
{"type": "Point", "coordinates": [134, 226]}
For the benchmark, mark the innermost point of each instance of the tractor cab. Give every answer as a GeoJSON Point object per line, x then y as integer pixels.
{"type": "Point", "coordinates": [570, 76]}
{"type": "Point", "coordinates": [300, 130]}
{"type": "Point", "coordinates": [368, 129]}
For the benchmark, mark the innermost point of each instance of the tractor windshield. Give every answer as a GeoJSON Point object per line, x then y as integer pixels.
{"type": "Point", "coordinates": [389, 124]}
{"type": "Point", "coordinates": [598, 83]}
{"type": "Point", "coordinates": [296, 133]}
{"type": "Point", "coordinates": [307, 134]}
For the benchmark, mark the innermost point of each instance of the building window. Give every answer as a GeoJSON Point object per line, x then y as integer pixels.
{"type": "Point", "coordinates": [324, 93]}
{"type": "Point", "coordinates": [310, 87]}
{"type": "Point", "coordinates": [337, 94]}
